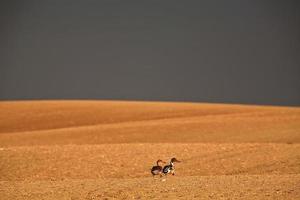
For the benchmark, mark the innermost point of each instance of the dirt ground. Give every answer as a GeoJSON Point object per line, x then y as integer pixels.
{"type": "Point", "coordinates": [105, 150]}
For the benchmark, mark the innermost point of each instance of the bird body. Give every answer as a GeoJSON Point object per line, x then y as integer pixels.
{"type": "Point", "coordinates": [157, 170]}
{"type": "Point", "coordinates": [170, 169]}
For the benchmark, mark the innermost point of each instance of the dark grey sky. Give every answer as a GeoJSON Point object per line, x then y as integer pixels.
{"type": "Point", "coordinates": [230, 51]}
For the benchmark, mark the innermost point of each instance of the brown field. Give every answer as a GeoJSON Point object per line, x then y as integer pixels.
{"type": "Point", "coordinates": [105, 149]}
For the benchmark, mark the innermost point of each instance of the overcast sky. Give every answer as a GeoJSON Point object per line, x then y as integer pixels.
{"type": "Point", "coordinates": [232, 51]}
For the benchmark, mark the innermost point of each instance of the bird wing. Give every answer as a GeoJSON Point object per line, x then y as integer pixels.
{"type": "Point", "coordinates": [166, 169]}
{"type": "Point", "coordinates": [156, 168]}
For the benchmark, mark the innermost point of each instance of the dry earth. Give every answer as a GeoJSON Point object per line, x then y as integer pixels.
{"type": "Point", "coordinates": [104, 150]}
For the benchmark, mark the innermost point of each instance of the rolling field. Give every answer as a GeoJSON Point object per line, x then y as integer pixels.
{"type": "Point", "coordinates": [105, 150]}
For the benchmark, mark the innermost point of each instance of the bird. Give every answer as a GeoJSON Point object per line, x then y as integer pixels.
{"type": "Point", "coordinates": [170, 169]}
{"type": "Point", "coordinates": [157, 170]}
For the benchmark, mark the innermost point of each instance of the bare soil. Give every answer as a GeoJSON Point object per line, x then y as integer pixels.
{"type": "Point", "coordinates": [105, 150]}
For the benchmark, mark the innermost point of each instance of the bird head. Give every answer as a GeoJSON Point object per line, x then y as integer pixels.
{"type": "Point", "coordinates": [160, 161]}
{"type": "Point", "coordinates": [174, 160]}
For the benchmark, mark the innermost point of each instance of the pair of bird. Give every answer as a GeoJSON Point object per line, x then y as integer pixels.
{"type": "Point", "coordinates": [168, 169]}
